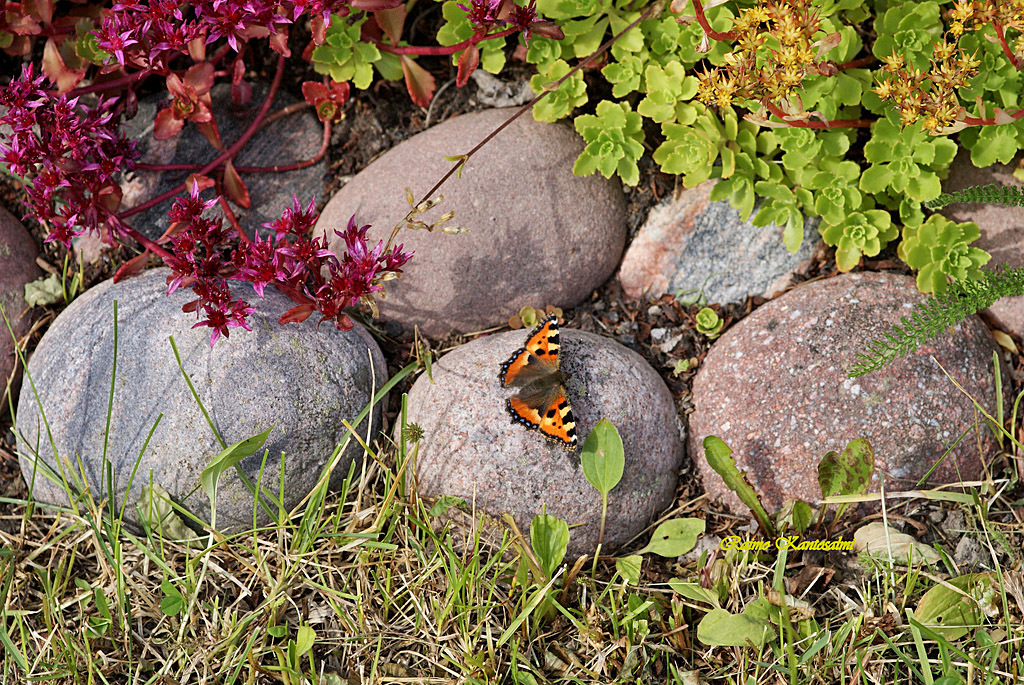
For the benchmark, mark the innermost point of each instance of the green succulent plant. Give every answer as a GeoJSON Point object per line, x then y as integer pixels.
{"type": "Point", "coordinates": [940, 248]}
{"type": "Point", "coordinates": [709, 323]}
{"type": "Point", "coordinates": [565, 99]}
{"type": "Point", "coordinates": [614, 142]}
{"type": "Point", "coordinates": [860, 233]}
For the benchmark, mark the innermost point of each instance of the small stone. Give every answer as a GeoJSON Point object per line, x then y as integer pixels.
{"type": "Point", "coordinates": [491, 91]}
{"type": "Point", "coordinates": [774, 387]}
{"type": "Point", "coordinates": [955, 522]}
{"type": "Point", "coordinates": [658, 333]}
{"type": "Point", "coordinates": [299, 379]}
{"type": "Point", "coordinates": [472, 449]}
{"type": "Point", "coordinates": [654, 311]}
{"type": "Point", "coordinates": [1002, 228]}
{"type": "Point", "coordinates": [670, 343]}
{"type": "Point", "coordinates": [693, 243]}
{"type": "Point", "coordinates": [17, 267]}
{"type": "Point", "coordinates": [538, 235]}
{"type": "Point", "coordinates": [969, 554]}
{"type": "Point", "coordinates": [294, 138]}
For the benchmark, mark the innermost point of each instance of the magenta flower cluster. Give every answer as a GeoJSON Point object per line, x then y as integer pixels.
{"type": "Point", "coordinates": [300, 266]}
{"type": "Point", "coordinates": [145, 35]}
{"type": "Point", "coordinates": [70, 153]}
{"type": "Point", "coordinates": [485, 14]}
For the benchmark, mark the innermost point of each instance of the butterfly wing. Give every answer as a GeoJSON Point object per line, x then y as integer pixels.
{"type": "Point", "coordinates": [537, 358]}
{"type": "Point", "coordinates": [554, 420]}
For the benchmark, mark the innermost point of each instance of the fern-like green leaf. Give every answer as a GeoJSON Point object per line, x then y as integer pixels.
{"type": "Point", "coordinates": [936, 314]}
{"type": "Point", "coordinates": [1006, 195]}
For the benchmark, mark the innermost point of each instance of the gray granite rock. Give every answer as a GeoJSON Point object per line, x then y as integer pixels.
{"type": "Point", "coordinates": [538, 234]}
{"type": "Point", "coordinates": [471, 448]}
{"type": "Point", "coordinates": [692, 243]}
{"type": "Point", "coordinates": [17, 267]}
{"type": "Point", "coordinates": [292, 139]}
{"type": "Point", "coordinates": [296, 378]}
{"type": "Point", "coordinates": [774, 387]}
{"type": "Point", "coordinates": [1002, 228]}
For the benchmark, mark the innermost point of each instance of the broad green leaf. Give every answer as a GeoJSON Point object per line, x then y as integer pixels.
{"type": "Point", "coordinates": [719, 457]}
{"type": "Point", "coordinates": [304, 639]}
{"type": "Point", "coordinates": [694, 592]}
{"type": "Point", "coordinates": [228, 458]}
{"type": "Point", "coordinates": [172, 602]}
{"type": "Point", "coordinates": [602, 457]}
{"type": "Point", "coordinates": [629, 568]}
{"type": "Point", "coordinates": [675, 537]}
{"type": "Point", "coordinates": [954, 614]}
{"type": "Point", "coordinates": [549, 537]}
{"type": "Point", "coordinates": [848, 473]}
{"type": "Point", "coordinates": [722, 629]}
{"type": "Point", "coordinates": [445, 502]}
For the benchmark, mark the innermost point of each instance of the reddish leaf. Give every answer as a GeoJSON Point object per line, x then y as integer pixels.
{"type": "Point", "coordinates": [188, 307]}
{"type": "Point", "coordinates": [296, 314]}
{"type": "Point", "coordinates": [165, 125]}
{"type": "Point", "coordinates": [241, 90]}
{"type": "Point", "coordinates": [197, 47]}
{"type": "Point", "coordinates": [279, 43]}
{"type": "Point", "coordinates": [209, 130]}
{"type": "Point", "coordinates": [110, 197]}
{"type": "Point", "coordinates": [236, 190]}
{"type": "Point", "coordinates": [391, 21]}
{"type": "Point", "coordinates": [319, 30]}
{"type": "Point", "coordinates": [313, 91]}
{"type": "Point", "coordinates": [40, 8]}
{"type": "Point", "coordinates": [418, 81]}
{"type": "Point", "coordinates": [468, 63]}
{"type": "Point", "coordinates": [548, 29]}
{"type": "Point", "coordinates": [131, 104]}
{"type": "Point", "coordinates": [200, 77]}
{"type": "Point", "coordinates": [132, 267]}
{"type": "Point", "coordinates": [344, 322]}
{"type": "Point", "coordinates": [203, 181]}
{"type": "Point", "coordinates": [65, 77]}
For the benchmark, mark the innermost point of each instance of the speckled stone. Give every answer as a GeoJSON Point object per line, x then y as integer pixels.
{"type": "Point", "coordinates": [1002, 228]}
{"type": "Point", "coordinates": [538, 234]}
{"type": "Point", "coordinates": [17, 267]}
{"type": "Point", "coordinates": [292, 139]}
{"type": "Point", "coordinates": [774, 387]}
{"type": "Point", "coordinates": [296, 378]}
{"type": "Point", "coordinates": [693, 243]}
{"type": "Point", "coordinates": [472, 449]}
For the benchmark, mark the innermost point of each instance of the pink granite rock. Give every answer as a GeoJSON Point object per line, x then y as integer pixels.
{"type": "Point", "coordinates": [692, 243]}
{"type": "Point", "coordinates": [538, 234]}
{"type": "Point", "coordinates": [775, 389]}
{"type": "Point", "coordinates": [1002, 228]}
{"type": "Point", "coordinates": [471, 448]}
{"type": "Point", "coordinates": [17, 267]}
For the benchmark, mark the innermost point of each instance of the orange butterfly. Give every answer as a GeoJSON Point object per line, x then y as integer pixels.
{"type": "Point", "coordinates": [541, 403]}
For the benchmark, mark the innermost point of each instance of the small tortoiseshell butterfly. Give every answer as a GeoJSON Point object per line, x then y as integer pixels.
{"type": "Point", "coordinates": [541, 403]}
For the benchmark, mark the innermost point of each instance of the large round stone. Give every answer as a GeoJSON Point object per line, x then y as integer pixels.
{"type": "Point", "coordinates": [471, 449]}
{"type": "Point", "coordinates": [775, 389]}
{"type": "Point", "coordinates": [538, 234]}
{"type": "Point", "coordinates": [17, 267]}
{"type": "Point", "coordinates": [298, 379]}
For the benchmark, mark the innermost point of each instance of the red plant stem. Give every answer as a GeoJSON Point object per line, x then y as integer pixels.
{"type": "Point", "coordinates": [229, 154]}
{"type": "Point", "coordinates": [297, 165]}
{"type": "Point", "coordinates": [835, 123]}
{"type": "Point", "coordinates": [854, 64]}
{"type": "Point", "coordinates": [253, 169]}
{"type": "Point", "coordinates": [111, 85]}
{"type": "Point", "coordinates": [139, 238]}
{"type": "Point", "coordinates": [976, 121]}
{"type": "Point", "coordinates": [232, 219]}
{"type": "Point", "coordinates": [698, 9]}
{"type": "Point", "coordinates": [1006, 48]}
{"type": "Point", "coordinates": [437, 49]}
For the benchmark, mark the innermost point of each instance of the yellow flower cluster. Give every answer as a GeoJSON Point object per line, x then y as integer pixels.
{"type": "Point", "coordinates": [781, 31]}
{"type": "Point", "coordinates": [932, 97]}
